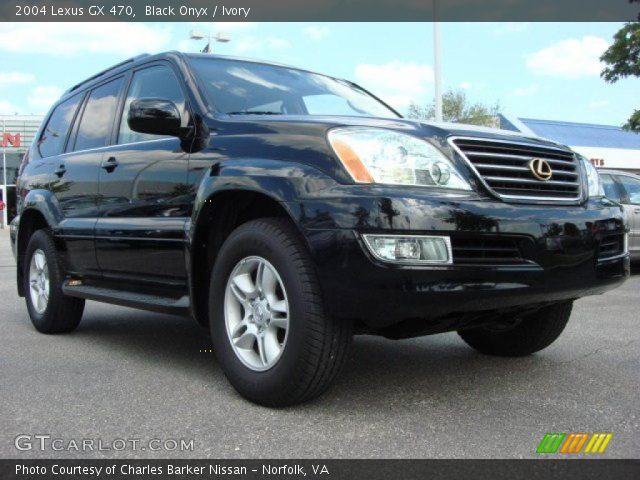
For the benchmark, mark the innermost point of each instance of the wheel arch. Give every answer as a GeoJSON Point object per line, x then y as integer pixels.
{"type": "Point", "coordinates": [39, 209]}
{"type": "Point", "coordinates": [221, 213]}
{"type": "Point", "coordinates": [31, 220]}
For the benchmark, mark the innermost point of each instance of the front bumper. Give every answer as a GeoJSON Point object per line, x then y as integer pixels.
{"type": "Point", "coordinates": [562, 256]}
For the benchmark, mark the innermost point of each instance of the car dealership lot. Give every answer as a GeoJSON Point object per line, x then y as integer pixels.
{"type": "Point", "coordinates": [126, 374]}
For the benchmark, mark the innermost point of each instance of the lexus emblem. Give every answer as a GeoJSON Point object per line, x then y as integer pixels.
{"type": "Point", "coordinates": [541, 169]}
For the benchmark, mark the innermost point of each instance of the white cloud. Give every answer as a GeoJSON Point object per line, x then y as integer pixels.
{"type": "Point", "coordinates": [11, 79]}
{"type": "Point", "coordinates": [572, 58]}
{"type": "Point", "coordinates": [526, 91]}
{"type": "Point", "coordinates": [80, 37]}
{"type": "Point", "coordinates": [599, 104]}
{"type": "Point", "coordinates": [8, 108]}
{"type": "Point", "coordinates": [258, 44]}
{"type": "Point", "coordinates": [465, 85]}
{"type": "Point", "coordinates": [188, 45]}
{"type": "Point", "coordinates": [317, 32]}
{"type": "Point", "coordinates": [398, 83]}
{"type": "Point", "coordinates": [42, 97]}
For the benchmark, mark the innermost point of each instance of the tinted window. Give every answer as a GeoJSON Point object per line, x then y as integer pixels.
{"type": "Point", "coordinates": [153, 82]}
{"type": "Point", "coordinates": [632, 187]}
{"type": "Point", "coordinates": [611, 189]}
{"type": "Point", "coordinates": [97, 118]}
{"type": "Point", "coordinates": [55, 133]}
{"type": "Point", "coordinates": [236, 87]}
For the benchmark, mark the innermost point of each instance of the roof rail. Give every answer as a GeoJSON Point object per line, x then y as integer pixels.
{"type": "Point", "coordinates": [107, 70]}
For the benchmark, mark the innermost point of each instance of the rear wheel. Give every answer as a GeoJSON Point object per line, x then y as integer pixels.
{"type": "Point", "coordinates": [534, 332]}
{"type": "Point", "coordinates": [271, 335]}
{"type": "Point", "coordinates": [49, 309]}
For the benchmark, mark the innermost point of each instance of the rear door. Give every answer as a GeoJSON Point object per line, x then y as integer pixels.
{"type": "Point", "coordinates": [144, 195]}
{"type": "Point", "coordinates": [76, 171]}
{"type": "Point", "coordinates": [631, 203]}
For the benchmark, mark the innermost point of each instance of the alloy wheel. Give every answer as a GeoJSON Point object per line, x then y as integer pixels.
{"type": "Point", "coordinates": [39, 281]}
{"type": "Point", "coordinates": [256, 313]}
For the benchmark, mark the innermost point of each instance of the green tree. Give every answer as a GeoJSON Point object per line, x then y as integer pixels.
{"type": "Point", "coordinates": [456, 107]}
{"type": "Point", "coordinates": [623, 60]}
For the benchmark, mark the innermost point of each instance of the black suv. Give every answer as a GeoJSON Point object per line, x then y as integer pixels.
{"type": "Point", "coordinates": [288, 210]}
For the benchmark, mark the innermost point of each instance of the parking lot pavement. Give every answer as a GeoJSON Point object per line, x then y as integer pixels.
{"type": "Point", "coordinates": [126, 374]}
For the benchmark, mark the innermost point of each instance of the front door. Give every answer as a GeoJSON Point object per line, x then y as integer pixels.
{"type": "Point", "coordinates": [144, 199]}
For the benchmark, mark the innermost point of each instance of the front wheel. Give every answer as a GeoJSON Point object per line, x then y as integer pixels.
{"type": "Point", "coordinates": [531, 334]}
{"type": "Point", "coordinates": [271, 335]}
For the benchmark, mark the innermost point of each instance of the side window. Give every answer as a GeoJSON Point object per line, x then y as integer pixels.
{"type": "Point", "coordinates": [611, 189]}
{"type": "Point", "coordinates": [154, 82]}
{"type": "Point", "coordinates": [53, 136]}
{"type": "Point", "coordinates": [95, 126]}
{"type": "Point", "coordinates": [632, 187]}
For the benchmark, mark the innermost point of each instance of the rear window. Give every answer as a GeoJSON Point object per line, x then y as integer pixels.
{"type": "Point", "coordinates": [54, 135]}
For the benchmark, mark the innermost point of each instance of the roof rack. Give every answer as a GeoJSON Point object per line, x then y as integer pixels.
{"type": "Point", "coordinates": [107, 70]}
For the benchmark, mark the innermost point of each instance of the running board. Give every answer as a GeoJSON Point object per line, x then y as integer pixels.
{"type": "Point", "coordinates": [154, 303]}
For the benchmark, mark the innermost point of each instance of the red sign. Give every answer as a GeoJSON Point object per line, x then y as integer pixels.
{"type": "Point", "coordinates": [9, 140]}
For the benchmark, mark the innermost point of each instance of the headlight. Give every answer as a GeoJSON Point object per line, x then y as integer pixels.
{"type": "Point", "coordinates": [594, 184]}
{"type": "Point", "coordinates": [375, 155]}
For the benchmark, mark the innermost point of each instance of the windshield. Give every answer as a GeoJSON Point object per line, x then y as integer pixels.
{"type": "Point", "coordinates": [237, 87]}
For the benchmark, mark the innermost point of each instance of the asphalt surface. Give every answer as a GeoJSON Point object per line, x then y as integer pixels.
{"type": "Point", "coordinates": [125, 374]}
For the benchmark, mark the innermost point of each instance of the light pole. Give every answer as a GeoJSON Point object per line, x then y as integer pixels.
{"type": "Point", "coordinates": [218, 37]}
{"type": "Point", "coordinates": [437, 65]}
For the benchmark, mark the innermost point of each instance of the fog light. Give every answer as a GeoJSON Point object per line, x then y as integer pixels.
{"type": "Point", "coordinates": [410, 249]}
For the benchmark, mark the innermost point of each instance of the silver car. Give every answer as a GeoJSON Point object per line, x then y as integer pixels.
{"type": "Point", "coordinates": [624, 188]}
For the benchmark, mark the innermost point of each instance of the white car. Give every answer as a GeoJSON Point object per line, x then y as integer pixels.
{"type": "Point", "coordinates": [624, 188]}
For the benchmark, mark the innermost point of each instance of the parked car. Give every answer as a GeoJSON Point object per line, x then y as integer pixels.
{"type": "Point", "coordinates": [288, 210]}
{"type": "Point", "coordinates": [624, 188]}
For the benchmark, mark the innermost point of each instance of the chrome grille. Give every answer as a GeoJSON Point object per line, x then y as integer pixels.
{"type": "Point", "coordinates": [503, 166]}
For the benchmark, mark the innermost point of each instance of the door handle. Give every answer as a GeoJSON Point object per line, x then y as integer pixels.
{"type": "Point", "coordinates": [60, 171]}
{"type": "Point", "coordinates": [110, 164]}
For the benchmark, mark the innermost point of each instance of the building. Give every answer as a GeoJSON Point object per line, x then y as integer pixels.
{"type": "Point", "coordinates": [18, 133]}
{"type": "Point", "coordinates": [605, 145]}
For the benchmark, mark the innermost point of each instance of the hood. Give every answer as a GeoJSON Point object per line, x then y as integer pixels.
{"type": "Point", "coordinates": [412, 127]}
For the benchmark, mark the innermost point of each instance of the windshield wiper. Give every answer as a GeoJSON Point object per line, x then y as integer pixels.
{"type": "Point", "coordinates": [254, 112]}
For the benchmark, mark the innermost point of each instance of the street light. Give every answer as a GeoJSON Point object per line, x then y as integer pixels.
{"type": "Point", "coordinates": [218, 37]}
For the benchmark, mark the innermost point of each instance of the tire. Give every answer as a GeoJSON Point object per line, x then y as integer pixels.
{"type": "Point", "coordinates": [313, 347]}
{"type": "Point", "coordinates": [533, 333]}
{"type": "Point", "coordinates": [59, 313]}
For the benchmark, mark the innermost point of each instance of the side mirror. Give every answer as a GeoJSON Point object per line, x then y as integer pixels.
{"type": "Point", "coordinates": [155, 116]}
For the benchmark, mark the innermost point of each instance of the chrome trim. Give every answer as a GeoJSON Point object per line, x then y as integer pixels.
{"type": "Point", "coordinates": [533, 199]}
{"type": "Point", "coordinates": [446, 238]}
{"type": "Point", "coordinates": [511, 142]}
{"type": "Point", "coordinates": [614, 257]}
{"type": "Point", "coordinates": [511, 168]}
{"type": "Point", "coordinates": [521, 157]}
{"type": "Point", "coordinates": [529, 181]}
{"type": "Point", "coordinates": [97, 149]}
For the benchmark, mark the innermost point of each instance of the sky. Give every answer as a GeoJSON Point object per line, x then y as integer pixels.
{"type": "Point", "coordinates": [535, 70]}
